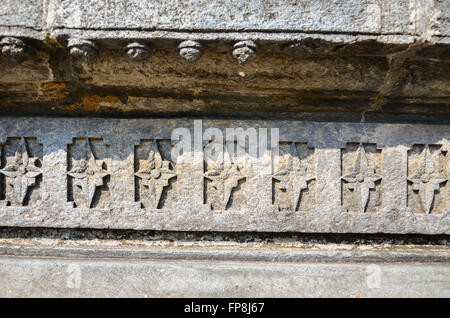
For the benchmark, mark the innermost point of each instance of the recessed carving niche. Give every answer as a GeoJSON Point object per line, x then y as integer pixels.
{"type": "Point", "coordinates": [293, 181]}
{"type": "Point", "coordinates": [21, 172]}
{"type": "Point", "coordinates": [155, 174]}
{"type": "Point", "coordinates": [88, 174]}
{"type": "Point", "coordinates": [224, 176]}
{"type": "Point", "coordinates": [361, 177]}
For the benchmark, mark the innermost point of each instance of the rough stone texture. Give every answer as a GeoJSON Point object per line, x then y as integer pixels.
{"type": "Point", "coordinates": [100, 183]}
{"type": "Point", "coordinates": [403, 83]}
{"type": "Point", "coordinates": [389, 178]}
{"type": "Point", "coordinates": [342, 16]}
{"type": "Point", "coordinates": [366, 57]}
{"type": "Point", "coordinates": [261, 19]}
{"type": "Point", "coordinates": [95, 263]}
{"type": "Point", "coordinates": [398, 18]}
{"type": "Point", "coordinates": [437, 25]}
{"type": "Point", "coordinates": [23, 18]}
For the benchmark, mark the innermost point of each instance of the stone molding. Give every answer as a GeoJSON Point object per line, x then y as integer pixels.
{"type": "Point", "coordinates": [260, 253]}
{"type": "Point", "coordinates": [331, 177]}
{"type": "Point", "coordinates": [120, 23]}
{"type": "Point", "coordinates": [231, 270]}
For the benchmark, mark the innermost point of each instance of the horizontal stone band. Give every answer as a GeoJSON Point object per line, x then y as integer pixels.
{"type": "Point", "coordinates": [347, 16]}
{"type": "Point", "coordinates": [328, 177]}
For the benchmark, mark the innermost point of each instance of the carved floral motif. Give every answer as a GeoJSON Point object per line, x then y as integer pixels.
{"type": "Point", "coordinates": [224, 176]}
{"type": "Point", "coordinates": [88, 173]}
{"type": "Point", "coordinates": [21, 171]}
{"type": "Point", "coordinates": [293, 177]}
{"type": "Point", "coordinates": [15, 48]}
{"type": "Point", "coordinates": [190, 51]}
{"type": "Point", "coordinates": [362, 178]}
{"type": "Point", "coordinates": [426, 179]}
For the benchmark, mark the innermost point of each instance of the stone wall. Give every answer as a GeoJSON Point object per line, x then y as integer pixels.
{"type": "Point", "coordinates": [331, 119]}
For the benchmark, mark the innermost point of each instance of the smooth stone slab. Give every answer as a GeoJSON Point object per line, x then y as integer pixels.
{"type": "Point", "coordinates": [59, 277]}
{"type": "Point", "coordinates": [95, 173]}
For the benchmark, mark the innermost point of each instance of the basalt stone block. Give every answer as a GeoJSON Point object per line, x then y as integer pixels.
{"type": "Point", "coordinates": [193, 175]}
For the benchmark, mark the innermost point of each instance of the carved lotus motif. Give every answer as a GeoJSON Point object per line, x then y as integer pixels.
{"type": "Point", "coordinates": [21, 171]}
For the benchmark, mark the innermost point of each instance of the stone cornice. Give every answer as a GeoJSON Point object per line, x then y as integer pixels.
{"type": "Point", "coordinates": [61, 57]}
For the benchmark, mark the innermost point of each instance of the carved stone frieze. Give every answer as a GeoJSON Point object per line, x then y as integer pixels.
{"type": "Point", "coordinates": [124, 174]}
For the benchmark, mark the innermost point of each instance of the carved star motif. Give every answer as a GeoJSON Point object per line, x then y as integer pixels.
{"type": "Point", "coordinates": [224, 180]}
{"type": "Point", "coordinates": [362, 178]}
{"type": "Point", "coordinates": [293, 177]}
{"type": "Point", "coordinates": [21, 171]}
{"type": "Point", "coordinates": [88, 173]}
{"type": "Point", "coordinates": [426, 180]}
{"type": "Point", "coordinates": [155, 174]}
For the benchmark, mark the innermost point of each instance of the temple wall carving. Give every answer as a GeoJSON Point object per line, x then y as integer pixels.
{"type": "Point", "coordinates": [120, 173]}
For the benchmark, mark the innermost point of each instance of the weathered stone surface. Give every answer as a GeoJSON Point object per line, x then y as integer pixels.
{"type": "Point", "coordinates": [349, 16]}
{"type": "Point", "coordinates": [22, 18]}
{"type": "Point", "coordinates": [217, 85]}
{"type": "Point", "coordinates": [62, 277]}
{"type": "Point", "coordinates": [263, 19]}
{"type": "Point", "coordinates": [72, 189]}
{"type": "Point", "coordinates": [35, 70]}
{"type": "Point", "coordinates": [438, 22]}
{"type": "Point", "coordinates": [358, 56]}
{"type": "Point", "coordinates": [119, 173]}
{"type": "Point", "coordinates": [287, 252]}
{"type": "Point", "coordinates": [152, 267]}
